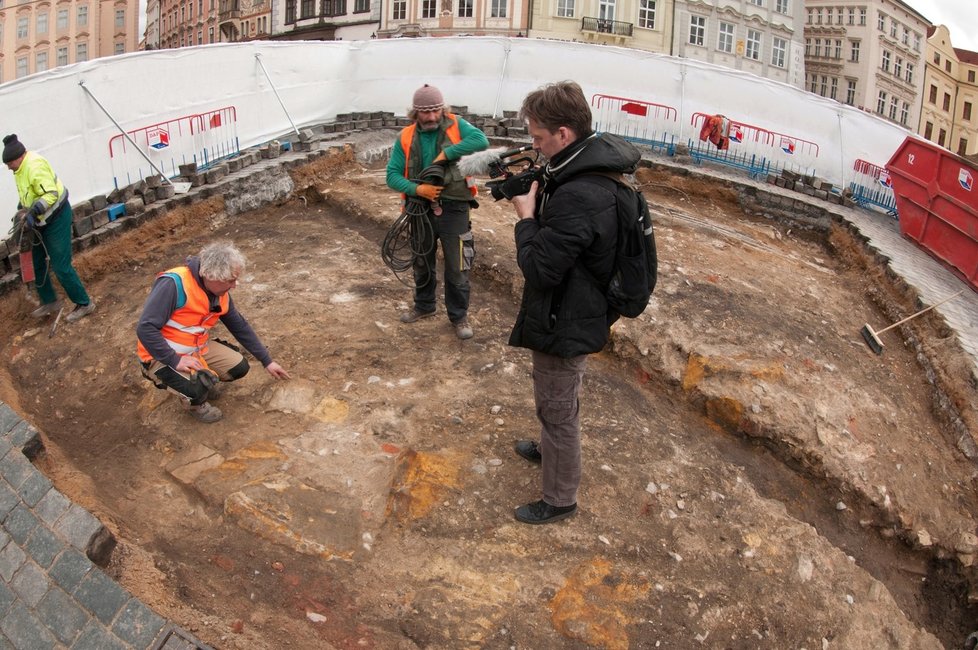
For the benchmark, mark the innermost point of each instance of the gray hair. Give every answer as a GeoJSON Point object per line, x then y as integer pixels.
{"type": "Point", "coordinates": [221, 261]}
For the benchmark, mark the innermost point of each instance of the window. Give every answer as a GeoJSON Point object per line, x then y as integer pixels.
{"type": "Point", "coordinates": [881, 22]}
{"type": "Point", "coordinates": [606, 10]}
{"type": "Point", "coordinates": [498, 9]}
{"type": "Point", "coordinates": [465, 8]}
{"type": "Point", "coordinates": [200, 39]}
{"type": "Point", "coordinates": [838, 49]}
{"type": "Point", "coordinates": [307, 9]}
{"type": "Point", "coordinates": [646, 14]}
{"type": "Point", "coordinates": [824, 87]}
{"type": "Point", "coordinates": [759, 3]}
{"type": "Point", "coordinates": [399, 10]}
{"type": "Point", "coordinates": [851, 92]}
{"type": "Point", "coordinates": [916, 42]}
{"type": "Point", "coordinates": [753, 44]}
{"type": "Point", "coordinates": [894, 106]}
{"type": "Point", "coordinates": [42, 25]}
{"type": "Point", "coordinates": [904, 113]}
{"type": "Point", "coordinates": [22, 70]}
{"type": "Point", "coordinates": [61, 56]}
{"type": "Point", "coordinates": [62, 19]}
{"type": "Point", "coordinates": [359, 7]}
{"type": "Point", "coordinates": [937, 58]}
{"type": "Point", "coordinates": [781, 6]}
{"type": "Point", "coordinates": [120, 18]}
{"type": "Point", "coordinates": [971, 76]}
{"type": "Point", "coordinates": [941, 137]}
{"type": "Point", "coordinates": [289, 13]}
{"type": "Point", "coordinates": [862, 16]}
{"type": "Point", "coordinates": [881, 103]}
{"type": "Point", "coordinates": [809, 19]}
{"type": "Point", "coordinates": [898, 68]}
{"type": "Point", "coordinates": [893, 28]}
{"type": "Point", "coordinates": [697, 29]}
{"type": "Point", "coordinates": [947, 102]}
{"type": "Point", "coordinates": [22, 27]}
{"type": "Point", "coordinates": [852, 16]}
{"type": "Point", "coordinates": [81, 52]}
{"type": "Point", "coordinates": [818, 16]}
{"type": "Point", "coordinates": [933, 95]}
{"type": "Point", "coordinates": [947, 65]}
{"type": "Point", "coordinates": [828, 16]}
{"type": "Point", "coordinates": [818, 47]}
{"type": "Point", "coordinates": [40, 62]}
{"type": "Point", "coordinates": [814, 86]}
{"type": "Point", "coordinates": [929, 131]}
{"type": "Point", "coordinates": [966, 111]}
{"type": "Point", "coordinates": [854, 54]}
{"type": "Point", "coordinates": [120, 48]}
{"type": "Point", "coordinates": [906, 36]}
{"type": "Point", "coordinates": [834, 88]}
{"type": "Point", "coordinates": [83, 19]}
{"type": "Point", "coordinates": [428, 8]}
{"type": "Point", "coordinates": [910, 73]}
{"type": "Point", "coordinates": [210, 34]}
{"type": "Point", "coordinates": [779, 49]}
{"type": "Point", "coordinates": [962, 147]}
{"type": "Point", "coordinates": [808, 47]}
{"type": "Point", "coordinates": [725, 37]}
{"type": "Point", "coordinates": [886, 61]}
{"type": "Point", "coordinates": [565, 8]}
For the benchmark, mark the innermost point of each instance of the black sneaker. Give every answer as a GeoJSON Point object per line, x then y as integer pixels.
{"type": "Point", "coordinates": [541, 512]}
{"type": "Point", "coordinates": [528, 449]}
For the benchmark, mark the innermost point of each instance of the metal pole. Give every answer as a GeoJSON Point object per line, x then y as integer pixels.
{"type": "Point", "coordinates": [125, 135]}
{"type": "Point", "coordinates": [262, 66]}
{"type": "Point", "coordinates": [502, 77]}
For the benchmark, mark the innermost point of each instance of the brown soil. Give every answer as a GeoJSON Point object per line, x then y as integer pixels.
{"type": "Point", "coordinates": [754, 476]}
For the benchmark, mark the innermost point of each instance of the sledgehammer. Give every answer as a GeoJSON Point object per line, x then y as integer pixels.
{"type": "Point", "coordinates": [872, 336]}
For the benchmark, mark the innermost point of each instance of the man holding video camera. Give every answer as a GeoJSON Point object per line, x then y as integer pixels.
{"type": "Point", "coordinates": [423, 168]}
{"type": "Point", "coordinates": [566, 240]}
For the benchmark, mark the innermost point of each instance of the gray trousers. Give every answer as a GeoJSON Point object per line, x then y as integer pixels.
{"type": "Point", "coordinates": [556, 387]}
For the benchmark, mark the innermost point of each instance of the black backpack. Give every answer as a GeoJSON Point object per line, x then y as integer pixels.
{"type": "Point", "coordinates": [636, 263]}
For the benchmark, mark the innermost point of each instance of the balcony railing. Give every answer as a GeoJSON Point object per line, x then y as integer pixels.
{"type": "Point", "coordinates": [602, 26]}
{"type": "Point", "coordinates": [230, 14]}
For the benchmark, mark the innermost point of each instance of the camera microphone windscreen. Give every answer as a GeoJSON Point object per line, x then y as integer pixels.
{"type": "Point", "coordinates": [479, 163]}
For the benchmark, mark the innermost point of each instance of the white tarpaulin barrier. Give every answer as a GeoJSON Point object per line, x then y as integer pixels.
{"type": "Point", "coordinates": [203, 103]}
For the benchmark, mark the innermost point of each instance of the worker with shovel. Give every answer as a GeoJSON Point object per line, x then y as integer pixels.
{"type": "Point", "coordinates": [173, 344]}
{"type": "Point", "coordinates": [44, 218]}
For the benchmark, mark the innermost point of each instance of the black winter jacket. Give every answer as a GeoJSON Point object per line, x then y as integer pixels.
{"type": "Point", "coordinates": [567, 253]}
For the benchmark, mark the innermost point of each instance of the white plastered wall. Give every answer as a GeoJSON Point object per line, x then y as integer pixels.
{"type": "Point", "coordinates": [69, 114]}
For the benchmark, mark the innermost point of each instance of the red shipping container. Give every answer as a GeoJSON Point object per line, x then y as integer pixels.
{"type": "Point", "coordinates": [937, 203]}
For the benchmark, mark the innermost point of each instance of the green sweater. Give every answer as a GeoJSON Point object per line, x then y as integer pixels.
{"type": "Point", "coordinates": [473, 140]}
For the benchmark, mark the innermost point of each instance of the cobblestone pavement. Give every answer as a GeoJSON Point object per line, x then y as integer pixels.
{"type": "Point", "coordinates": [53, 593]}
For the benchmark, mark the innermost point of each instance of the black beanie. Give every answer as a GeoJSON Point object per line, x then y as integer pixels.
{"type": "Point", "coordinates": [12, 148]}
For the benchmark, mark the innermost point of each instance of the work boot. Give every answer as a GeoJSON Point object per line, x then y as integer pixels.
{"type": "Point", "coordinates": [206, 413]}
{"type": "Point", "coordinates": [462, 328]}
{"type": "Point", "coordinates": [415, 315]}
{"type": "Point", "coordinates": [80, 311]}
{"type": "Point", "coordinates": [46, 310]}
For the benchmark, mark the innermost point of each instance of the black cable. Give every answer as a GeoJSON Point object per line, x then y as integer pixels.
{"type": "Point", "coordinates": [31, 234]}
{"type": "Point", "coordinates": [409, 241]}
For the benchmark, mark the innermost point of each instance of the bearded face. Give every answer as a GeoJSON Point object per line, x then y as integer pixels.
{"type": "Point", "coordinates": [429, 120]}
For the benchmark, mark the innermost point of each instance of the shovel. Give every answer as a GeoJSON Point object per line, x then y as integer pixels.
{"type": "Point", "coordinates": [872, 336]}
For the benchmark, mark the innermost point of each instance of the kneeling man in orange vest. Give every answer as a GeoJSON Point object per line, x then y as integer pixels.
{"type": "Point", "coordinates": [173, 344]}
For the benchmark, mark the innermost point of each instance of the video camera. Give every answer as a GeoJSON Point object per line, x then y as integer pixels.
{"type": "Point", "coordinates": [513, 177]}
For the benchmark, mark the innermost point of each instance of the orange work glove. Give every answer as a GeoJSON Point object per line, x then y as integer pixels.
{"type": "Point", "coordinates": [430, 192]}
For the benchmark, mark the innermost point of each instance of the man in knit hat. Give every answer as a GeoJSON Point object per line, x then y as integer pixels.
{"type": "Point", "coordinates": [45, 216]}
{"type": "Point", "coordinates": [423, 168]}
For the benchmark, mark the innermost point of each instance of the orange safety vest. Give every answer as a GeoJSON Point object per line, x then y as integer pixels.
{"type": "Point", "coordinates": [187, 330]}
{"type": "Point", "coordinates": [453, 133]}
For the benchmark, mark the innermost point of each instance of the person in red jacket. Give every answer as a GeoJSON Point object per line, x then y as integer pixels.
{"type": "Point", "coordinates": [174, 346]}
